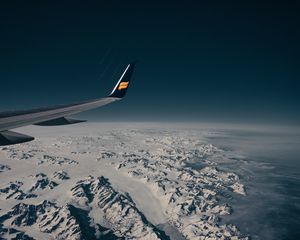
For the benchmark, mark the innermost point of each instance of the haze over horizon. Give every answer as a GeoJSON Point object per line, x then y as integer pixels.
{"type": "Point", "coordinates": [206, 61]}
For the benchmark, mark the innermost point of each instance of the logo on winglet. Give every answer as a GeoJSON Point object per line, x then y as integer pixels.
{"type": "Point", "coordinates": [123, 85]}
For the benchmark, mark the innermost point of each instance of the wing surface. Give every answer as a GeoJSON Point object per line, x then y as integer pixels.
{"type": "Point", "coordinates": [58, 115]}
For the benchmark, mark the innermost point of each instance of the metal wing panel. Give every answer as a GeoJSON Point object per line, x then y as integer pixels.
{"type": "Point", "coordinates": [15, 119]}
{"type": "Point", "coordinates": [40, 116]}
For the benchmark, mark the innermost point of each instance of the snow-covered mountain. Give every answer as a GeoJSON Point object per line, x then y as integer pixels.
{"type": "Point", "coordinates": [127, 183]}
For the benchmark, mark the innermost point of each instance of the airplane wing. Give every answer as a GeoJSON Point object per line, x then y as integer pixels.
{"type": "Point", "coordinates": [58, 115]}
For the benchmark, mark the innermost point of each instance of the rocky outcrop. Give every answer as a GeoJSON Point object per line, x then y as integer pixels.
{"type": "Point", "coordinates": [13, 191]}
{"type": "Point", "coordinates": [4, 168]}
{"type": "Point", "coordinates": [51, 160]}
{"type": "Point", "coordinates": [189, 196]}
{"type": "Point", "coordinates": [118, 210]}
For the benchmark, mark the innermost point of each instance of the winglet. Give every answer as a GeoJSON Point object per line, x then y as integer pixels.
{"type": "Point", "coordinates": [121, 87]}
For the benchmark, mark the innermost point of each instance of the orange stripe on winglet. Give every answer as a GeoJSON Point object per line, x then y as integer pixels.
{"type": "Point", "coordinates": [123, 85]}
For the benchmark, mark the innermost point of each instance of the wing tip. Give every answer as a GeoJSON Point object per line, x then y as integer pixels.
{"type": "Point", "coordinates": [121, 87]}
{"type": "Point", "coordinates": [133, 63]}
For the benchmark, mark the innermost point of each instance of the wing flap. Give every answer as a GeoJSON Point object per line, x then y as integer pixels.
{"type": "Point", "coordinates": [59, 122]}
{"type": "Point", "coordinates": [10, 137]}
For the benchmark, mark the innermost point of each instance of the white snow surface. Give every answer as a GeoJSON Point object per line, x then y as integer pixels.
{"type": "Point", "coordinates": [120, 181]}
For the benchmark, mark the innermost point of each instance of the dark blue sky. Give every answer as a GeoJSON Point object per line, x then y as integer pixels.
{"type": "Point", "coordinates": [198, 60]}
